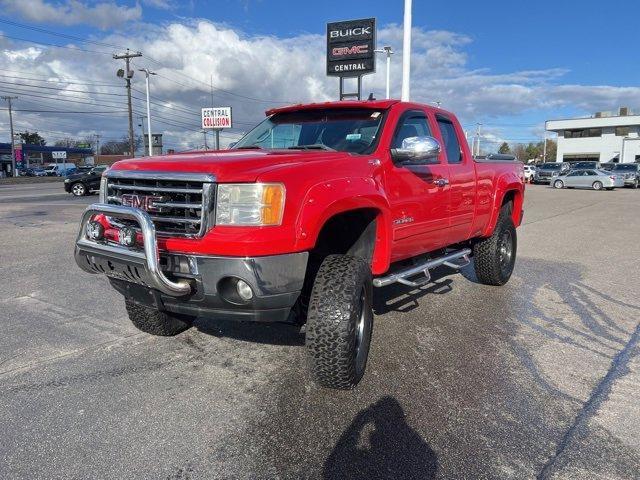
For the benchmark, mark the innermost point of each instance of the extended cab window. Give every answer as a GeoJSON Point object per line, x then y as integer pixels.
{"type": "Point", "coordinates": [411, 124]}
{"type": "Point", "coordinates": [450, 139]}
{"type": "Point", "coordinates": [348, 130]}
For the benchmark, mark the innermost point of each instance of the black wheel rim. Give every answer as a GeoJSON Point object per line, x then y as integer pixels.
{"type": "Point", "coordinates": [505, 251]}
{"type": "Point", "coordinates": [363, 330]}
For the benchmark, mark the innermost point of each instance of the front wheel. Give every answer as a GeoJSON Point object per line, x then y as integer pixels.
{"type": "Point", "coordinates": [154, 322]}
{"type": "Point", "coordinates": [597, 185]}
{"type": "Point", "coordinates": [340, 322]}
{"type": "Point", "coordinates": [78, 189]}
{"type": "Point", "coordinates": [558, 184]}
{"type": "Point", "coordinates": [495, 257]}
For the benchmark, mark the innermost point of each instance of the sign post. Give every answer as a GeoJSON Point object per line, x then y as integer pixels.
{"type": "Point", "coordinates": [216, 119]}
{"type": "Point", "coordinates": [351, 51]}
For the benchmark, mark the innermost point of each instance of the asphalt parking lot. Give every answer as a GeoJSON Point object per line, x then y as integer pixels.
{"type": "Point", "coordinates": [540, 378]}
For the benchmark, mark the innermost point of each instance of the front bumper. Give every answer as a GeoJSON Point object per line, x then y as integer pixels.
{"type": "Point", "coordinates": [190, 284]}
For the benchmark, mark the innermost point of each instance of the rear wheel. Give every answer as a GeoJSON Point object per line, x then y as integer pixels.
{"type": "Point", "coordinates": [558, 184]}
{"type": "Point", "coordinates": [495, 257]}
{"type": "Point", "coordinates": [597, 185]}
{"type": "Point", "coordinates": [153, 321]}
{"type": "Point", "coordinates": [78, 189]}
{"type": "Point", "coordinates": [340, 321]}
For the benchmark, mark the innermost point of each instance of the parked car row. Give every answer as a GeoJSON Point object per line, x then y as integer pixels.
{"type": "Point", "coordinates": [617, 174]}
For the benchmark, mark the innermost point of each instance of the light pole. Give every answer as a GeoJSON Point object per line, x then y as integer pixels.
{"type": "Point", "coordinates": [147, 72]}
{"type": "Point", "coordinates": [387, 49]}
{"type": "Point", "coordinates": [479, 126]}
{"type": "Point", "coordinates": [406, 52]}
{"type": "Point", "coordinates": [13, 149]}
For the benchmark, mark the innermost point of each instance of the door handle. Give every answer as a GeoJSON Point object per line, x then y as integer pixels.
{"type": "Point", "coordinates": [441, 182]}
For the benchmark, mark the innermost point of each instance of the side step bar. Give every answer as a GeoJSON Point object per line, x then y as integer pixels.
{"type": "Point", "coordinates": [403, 275]}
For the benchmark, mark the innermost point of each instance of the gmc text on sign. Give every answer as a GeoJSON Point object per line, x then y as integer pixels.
{"type": "Point", "coordinates": [216, 117]}
{"type": "Point", "coordinates": [350, 47]}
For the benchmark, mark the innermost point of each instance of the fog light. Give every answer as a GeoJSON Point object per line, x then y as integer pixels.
{"type": "Point", "coordinates": [127, 237]}
{"type": "Point", "coordinates": [244, 290]}
{"type": "Point", "coordinates": [95, 230]}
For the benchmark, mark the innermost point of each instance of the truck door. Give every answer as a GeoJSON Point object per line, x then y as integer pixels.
{"type": "Point", "coordinates": [462, 179]}
{"type": "Point", "coordinates": [418, 194]}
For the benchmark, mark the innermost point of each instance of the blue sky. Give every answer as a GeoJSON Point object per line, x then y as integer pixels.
{"type": "Point", "coordinates": [509, 65]}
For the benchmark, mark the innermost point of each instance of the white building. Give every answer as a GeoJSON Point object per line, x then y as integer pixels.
{"type": "Point", "coordinates": [604, 138]}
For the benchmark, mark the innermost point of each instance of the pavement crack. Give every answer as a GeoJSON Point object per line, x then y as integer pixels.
{"type": "Point", "coordinates": [618, 368]}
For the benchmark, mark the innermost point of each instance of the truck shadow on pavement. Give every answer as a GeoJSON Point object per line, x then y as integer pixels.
{"type": "Point", "coordinates": [380, 444]}
{"type": "Point", "coordinates": [402, 299]}
{"type": "Point", "coordinates": [253, 332]}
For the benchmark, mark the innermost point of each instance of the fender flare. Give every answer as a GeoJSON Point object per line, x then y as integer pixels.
{"type": "Point", "coordinates": [505, 185]}
{"type": "Point", "coordinates": [330, 198]}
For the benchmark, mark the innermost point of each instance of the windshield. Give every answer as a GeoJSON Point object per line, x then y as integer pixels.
{"type": "Point", "coordinates": [626, 168]}
{"type": "Point", "coordinates": [345, 130]}
{"type": "Point", "coordinates": [551, 166]}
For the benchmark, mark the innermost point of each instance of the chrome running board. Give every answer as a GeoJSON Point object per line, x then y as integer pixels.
{"type": "Point", "coordinates": [403, 275]}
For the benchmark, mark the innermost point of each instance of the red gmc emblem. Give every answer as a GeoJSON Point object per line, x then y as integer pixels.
{"type": "Point", "coordinates": [143, 202]}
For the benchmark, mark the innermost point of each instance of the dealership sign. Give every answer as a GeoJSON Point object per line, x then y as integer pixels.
{"type": "Point", "coordinates": [216, 117]}
{"type": "Point", "coordinates": [59, 155]}
{"type": "Point", "coordinates": [350, 47]}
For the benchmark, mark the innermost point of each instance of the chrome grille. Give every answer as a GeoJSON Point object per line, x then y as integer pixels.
{"type": "Point", "coordinates": [179, 204]}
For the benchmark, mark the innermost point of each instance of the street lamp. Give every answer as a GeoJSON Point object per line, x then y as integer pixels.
{"type": "Point", "coordinates": [386, 49]}
{"type": "Point", "coordinates": [147, 72]}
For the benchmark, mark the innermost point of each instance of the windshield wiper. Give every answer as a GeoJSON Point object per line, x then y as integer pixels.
{"type": "Point", "coordinates": [248, 147]}
{"type": "Point", "coordinates": [313, 146]}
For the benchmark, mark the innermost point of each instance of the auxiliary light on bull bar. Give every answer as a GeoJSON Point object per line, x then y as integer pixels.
{"type": "Point", "coordinates": [95, 230]}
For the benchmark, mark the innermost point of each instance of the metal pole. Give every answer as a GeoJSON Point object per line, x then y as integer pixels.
{"type": "Point", "coordinates": [147, 73]}
{"type": "Point", "coordinates": [544, 150]}
{"type": "Point", "coordinates": [217, 130]}
{"type": "Point", "coordinates": [388, 72]}
{"type": "Point", "coordinates": [478, 139]}
{"type": "Point", "coordinates": [406, 52]}
{"type": "Point", "coordinates": [13, 150]}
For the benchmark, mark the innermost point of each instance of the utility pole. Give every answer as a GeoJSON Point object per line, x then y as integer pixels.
{"type": "Point", "coordinates": [206, 147]}
{"type": "Point", "coordinates": [406, 52]}
{"type": "Point", "coordinates": [544, 150]}
{"type": "Point", "coordinates": [127, 75]}
{"type": "Point", "coordinates": [147, 72]}
{"type": "Point", "coordinates": [478, 127]}
{"type": "Point", "coordinates": [387, 49]}
{"type": "Point", "coordinates": [97, 148]}
{"type": "Point", "coordinates": [13, 150]}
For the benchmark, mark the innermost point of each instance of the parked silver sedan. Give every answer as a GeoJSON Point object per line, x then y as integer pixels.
{"type": "Point", "coordinates": [589, 178]}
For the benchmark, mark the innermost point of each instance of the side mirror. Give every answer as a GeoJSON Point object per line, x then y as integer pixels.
{"type": "Point", "coordinates": [420, 150]}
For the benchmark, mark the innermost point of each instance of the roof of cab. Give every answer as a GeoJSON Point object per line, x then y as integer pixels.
{"type": "Point", "coordinates": [372, 104]}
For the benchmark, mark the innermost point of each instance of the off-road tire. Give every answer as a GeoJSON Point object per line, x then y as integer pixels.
{"type": "Point", "coordinates": [489, 263]}
{"type": "Point", "coordinates": [340, 322]}
{"type": "Point", "coordinates": [153, 321]}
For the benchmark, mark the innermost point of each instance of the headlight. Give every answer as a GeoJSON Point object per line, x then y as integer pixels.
{"type": "Point", "coordinates": [255, 204]}
{"type": "Point", "coordinates": [67, 180]}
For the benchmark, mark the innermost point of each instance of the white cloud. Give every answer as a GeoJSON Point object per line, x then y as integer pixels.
{"type": "Point", "coordinates": [160, 4]}
{"type": "Point", "coordinates": [264, 70]}
{"type": "Point", "coordinates": [103, 15]}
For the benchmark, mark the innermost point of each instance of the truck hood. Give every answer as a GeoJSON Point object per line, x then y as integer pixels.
{"type": "Point", "coordinates": [230, 165]}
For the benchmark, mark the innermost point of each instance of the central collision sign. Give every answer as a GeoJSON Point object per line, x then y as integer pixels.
{"type": "Point", "coordinates": [350, 47]}
{"type": "Point", "coordinates": [216, 117]}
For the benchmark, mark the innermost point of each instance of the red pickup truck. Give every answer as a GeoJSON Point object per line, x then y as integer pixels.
{"type": "Point", "coordinates": [299, 221]}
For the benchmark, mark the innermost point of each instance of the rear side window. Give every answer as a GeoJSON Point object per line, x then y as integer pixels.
{"type": "Point", "coordinates": [451, 144]}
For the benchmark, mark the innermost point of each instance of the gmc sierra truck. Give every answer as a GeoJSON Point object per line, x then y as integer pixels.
{"type": "Point", "coordinates": [309, 212]}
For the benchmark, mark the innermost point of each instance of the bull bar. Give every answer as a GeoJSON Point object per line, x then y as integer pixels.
{"type": "Point", "coordinates": [148, 261]}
